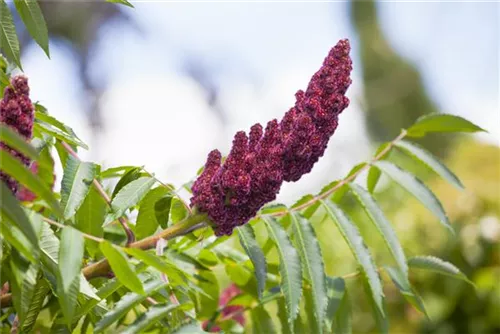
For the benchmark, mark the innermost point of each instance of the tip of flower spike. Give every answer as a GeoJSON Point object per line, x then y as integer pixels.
{"type": "Point", "coordinates": [20, 84]}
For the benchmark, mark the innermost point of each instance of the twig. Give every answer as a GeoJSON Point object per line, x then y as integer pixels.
{"type": "Point", "coordinates": [85, 235]}
{"type": "Point", "coordinates": [102, 192]}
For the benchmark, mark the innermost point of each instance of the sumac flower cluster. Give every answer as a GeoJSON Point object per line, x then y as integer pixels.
{"type": "Point", "coordinates": [232, 192]}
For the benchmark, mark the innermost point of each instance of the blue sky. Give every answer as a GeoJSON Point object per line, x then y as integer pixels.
{"type": "Point", "coordinates": [260, 54]}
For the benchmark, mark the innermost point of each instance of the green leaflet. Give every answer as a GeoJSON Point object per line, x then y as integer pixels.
{"type": "Point", "coordinates": [430, 161]}
{"type": "Point", "coordinates": [254, 252]}
{"type": "Point", "coordinates": [417, 189]}
{"type": "Point", "coordinates": [75, 184]}
{"type": "Point", "coordinates": [290, 267]}
{"type": "Point", "coordinates": [15, 141]}
{"type": "Point", "coordinates": [32, 16]}
{"type": "Point", "coordinates": [261, 321]}
{"type": "Point", "coordinates": [122, 2]}
{"type": "Point", "coordinates": [438, 265]}
{"type": "Point", "coordinates": [126, 303]}
{"type": "Point", "coordinates": [374, 173]}
{"type": "Point", "coordinates": [406, 290]}
{"type": "Point", "coordinates": [11, 209]}
{"type": "Point", "coordinates": [70, 259]}
{"type": "Point", "coordinates": [121, 267]}
{"type": "Point", "coordinates": [441, 123]}
{"type": "Point", "coordinates": [335, 293]}
{"type": "Point", "coordinates": [353, 238]}
{"type": "Point", "coordinates": [149, 318]}
{"type": "Point", "coordinates": [313, 269]}
{"type": "Point", "coordinates": [129, 196]}
{"type": "Point", "coordinates": [131, 175]}
{"type": "Point", "coordinates": [383, 226]}
{"type": "Point", "coordinates": [8, 37]}
{"type": "Point", "coordinates": [21, 173]}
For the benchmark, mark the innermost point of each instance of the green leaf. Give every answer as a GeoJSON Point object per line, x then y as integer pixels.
{"type": "Point", "coordinates": [353, 238]}
{"type": "Point", "coordinates": [430, 161]}
{"type": "Point", "coordinates": [380, 315]}
{"type": "Point", "coordinates": [417, 189]}
{"type": "Point", "coordinates": [15, 141]}
{"type": "Point", "coordinates": [251, 247]}
{"type": "Point", "coordinates": [70, 262]}
{"type": "Point", "coordinates": [121, 267]}
{"type": "Point", "coordinates": [342, 323]}
{"type": "Point", "coordinates": [45, 128]}
{"type": "Point", "coordinates": [21, 173]}
{"type": "Point", "coordinates": [22, 278]}
{"type": "Point", "coordinates": [162, 210]}
{"type": "Point", "coordinates": [18, 240]}
{"type": "Point", "coordinates": [438, 265]}
{"type": "Point", "coordinates": [147, 223]}
{"type": "Point", "coordinates": [405, 288]}
{"type": "Point", "coordinates": [128, 177]}
{"type": "Point", "coordinates": [149, 318]}
{"type": "Point", "coordinates": [90, 217]}
{"type": "Point", "coordinates": [8, 37]}
{"type": "Point", "coordinates": [309, 211]}
{"type": "Point", "coordinates": [126, 303]}
{"type": "Point", "coordinates": [385, 229]}
{"type": "Point", "coordinates": [160, 264]}
{"type": "Point", "coordinates": [190, 328]}
{"type": "Point", "coordinates": [261, 321]}
{"type": "Point", "coordinates": [11, 209]}
{"type": "Point", "coordinates": [290, 267]}
{"type": "Point", "coordinates": [306, 243]}
{"type": "Point", "coordinates": [75, 185]}
{"type": "Point", "coordinates": [335, 293]}
{"type": "Point", "coordinates": [32, 16]}
{"type": "Point", "coordinates": [41, 290]}
{"type": "Point", "coordinates": [441, 123]}
{"type": "Point", "coordinates": [122, 2]}
{"type": "Point", "coordinates": [129, 196]}
{"type": "Point", "coordinates": [44, 118]}
{"type": "Point", "coordinates": [374, 173]}
{"type": "Point", "coordinates": [115, 171]}
{"type": "Point", "coordinates": [178, 210]}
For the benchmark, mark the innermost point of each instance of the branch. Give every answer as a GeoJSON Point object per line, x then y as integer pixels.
{"type": "Point", "coordinates": [102, 192]}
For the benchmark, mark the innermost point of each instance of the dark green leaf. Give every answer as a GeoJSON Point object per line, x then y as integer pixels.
{"type": "Point", "coordinates": [290, 267]}
{"type": "Point", "coordinates": [417, 188]}
{"type": "Point", "coordinates": [121, 267]}
{"type": "Point", "coordinates": [15, 141]}
{"type": "Point", "coordinates": [18, 240]}
{"type": "Point", "coordinates": [162, 210]}
{"type": "Point", "coordinates": [41, 290]}
{"type": "Point", "coordinates": [32, 16]}
{"type": "Point", "coordinates": [342, 323]}
{"type": "Point", "coordinates": [21, 173]}
{"type": "Point", "coordinates": [11, 210]}
{"type": "Point", "coordinates": [313, 269]}
{"type": "Point", "coordinates": [126, 303]}
{"type": "Point", "coordinates": [353, 238]}
{"type": "Point", "coordinates": [374, 173]}
{"type": "Point", "coordinates": [441, 123]}
{"type": "Point", "coordinates": [430, 161]}
{"type": "Point", "coordinates": [385, 229]}
{"type": "Point", "coordinates": [379, 314]}
{"type": "Point", "coordinates": [261, 321]}
{"type": "Point", "coordinates": [75, 185]}
{"type": "Point", "coordinates": [115, 171]}
{"type": "Point", "coordinates": [251, 247]}
{"type": "Point", "coordinates": [178, 210]}
{"type": "Point", "coordinates": [438, 265]}
{"type": "Point", "coordinates": [147, 223]}
{"type": "Point", "coordinates": [8, 37]}
{"type": "Point", "coordinates": [131, 175]}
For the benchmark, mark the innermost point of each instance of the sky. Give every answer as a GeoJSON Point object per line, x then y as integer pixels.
{"type": "Point", "coordinates": [260, 54]}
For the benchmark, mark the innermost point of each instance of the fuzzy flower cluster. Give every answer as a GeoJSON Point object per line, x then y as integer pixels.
{"type": "Point", "coordinates": [231, 192]}
{"type": "Point", "coordinates": [17, 112]}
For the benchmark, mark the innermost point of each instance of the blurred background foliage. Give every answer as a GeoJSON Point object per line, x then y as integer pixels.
{"type": "Point", "coordinates": [393, 98]}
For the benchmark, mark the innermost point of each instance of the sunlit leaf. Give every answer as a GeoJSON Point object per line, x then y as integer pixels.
{"type": "Point", "coordinates": [121, 267]}
{"type": "Point", "coordinates": [430, 161]}
{"type": "Point", "coordinates": [438, 265]}
{"type": "Point", "coordinates": [254, 252]}
{"type": "Point", "coordinates": [8, 37]}
{"type": "Point", "coordinates": [353, 238]}
{"type": "Point", "coordinates": [149, 318]}
{"type": "Point", "coordinates": [32, 16]}
{"type": "Point", "coordinates": [417, 189]}
{"type": "Point", "coordinates": [441, 123]}
{"type": "Point", "coordinates": [75, 184]}
{"type": "Point", "coordinates": [313, 269]}
{"type": "Point", "coordinates": [290, 267]}
{"type": "Point", "coordinates": [131, 175]}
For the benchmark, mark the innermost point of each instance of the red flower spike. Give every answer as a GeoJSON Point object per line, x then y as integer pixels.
{"type": "Point", "coordinates": [232, 193]}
